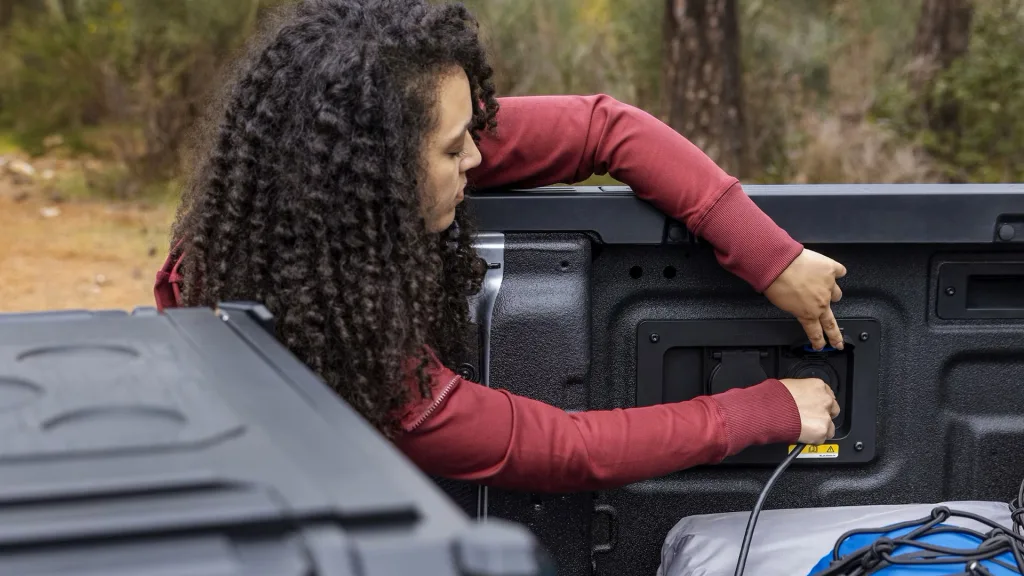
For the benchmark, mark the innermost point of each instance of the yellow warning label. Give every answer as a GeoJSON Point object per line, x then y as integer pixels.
{"type": "Point", "coordinates": [818, 451]}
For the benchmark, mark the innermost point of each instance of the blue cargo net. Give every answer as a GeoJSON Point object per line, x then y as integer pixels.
{"type": "Point", "coordinates": [930, 546]}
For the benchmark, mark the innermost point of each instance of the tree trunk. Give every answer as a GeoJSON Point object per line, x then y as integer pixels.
{"type": "Point", "coordinates": [70, 8]}
{"type": "Point", "coordinates": [943, 34]}
{"type": "Point", "coordinates": [702, 89]}
{"type": "Point", "coordinates": [6, 13]}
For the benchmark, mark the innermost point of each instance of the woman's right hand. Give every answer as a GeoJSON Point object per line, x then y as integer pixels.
{"type": "Point", "coordinates": [817, 406]}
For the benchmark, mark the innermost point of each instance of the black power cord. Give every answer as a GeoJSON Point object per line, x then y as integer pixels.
{"type": "Point", "coordinates": [748, 535]}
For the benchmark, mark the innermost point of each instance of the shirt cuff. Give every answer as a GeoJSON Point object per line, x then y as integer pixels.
{"type": "Point", "coordinates": [762, 414]}
{"type": "Point", "coordinates": [748, 243]}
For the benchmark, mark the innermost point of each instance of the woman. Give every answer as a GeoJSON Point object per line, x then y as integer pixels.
{"type": "Point", "coordinates": [332, 194]}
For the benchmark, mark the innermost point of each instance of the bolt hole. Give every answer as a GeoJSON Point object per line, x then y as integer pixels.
{"type": "Point", "coordinates": [636, 272]}
{"type": "Point", "coordinates": [669, 272]}
{"type": "Point", "coordinates": [565, 265]}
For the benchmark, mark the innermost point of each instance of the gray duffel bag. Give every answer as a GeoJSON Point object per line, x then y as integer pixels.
{"type": "Point", "coordinates": [790, 542]}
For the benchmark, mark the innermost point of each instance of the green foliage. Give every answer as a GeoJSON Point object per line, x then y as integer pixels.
{"type": "Point", "coordinates": [575, 46]}
{"type": "Point", "coordinates": [984, 87]}
{"type": "Point", "coordinates": [8, 143]}
{"type": "Point", "coordinates": [810, 63]}
{"type": "Point", "coordinates": [987, 86]}
{"type": "Point", "coordinates": [133, 71]}
{"type": "Point", "coordinates": [824, 81]}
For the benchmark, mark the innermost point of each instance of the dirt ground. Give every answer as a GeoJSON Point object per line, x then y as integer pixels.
{"type": "Point", "coordinates": [66, 254]}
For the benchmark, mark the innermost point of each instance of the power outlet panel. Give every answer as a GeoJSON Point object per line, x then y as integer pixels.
{"type": "Point", "coordinates": [679, 360]}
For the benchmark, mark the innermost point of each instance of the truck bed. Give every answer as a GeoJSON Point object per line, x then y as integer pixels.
{"type": "Point", "coordinates": [930, 389]}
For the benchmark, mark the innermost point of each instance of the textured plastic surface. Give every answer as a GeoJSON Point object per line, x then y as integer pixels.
{"type": "Point", "coordinates": [813, 213]}
{"type": "Point", "coordinates": [949, 411]}
{"type": "Point", "coordinates": [792, 542]}
{"type": "Point", "coordinates": [541, 349]}
{"type": "Point", "coordinates": [193, 443]}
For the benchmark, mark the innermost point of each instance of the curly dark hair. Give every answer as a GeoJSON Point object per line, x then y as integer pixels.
{"type": "Point", "coordinates": [306, 197]}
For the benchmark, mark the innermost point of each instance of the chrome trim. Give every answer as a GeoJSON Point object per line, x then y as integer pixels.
{"type": "Point", "coordinates": [491, 247]}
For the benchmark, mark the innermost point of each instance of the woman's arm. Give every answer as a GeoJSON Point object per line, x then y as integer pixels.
{"type": "Point", "coordinates": [470, 432]}
{"type": "Point", "coordinates": [543, 140]}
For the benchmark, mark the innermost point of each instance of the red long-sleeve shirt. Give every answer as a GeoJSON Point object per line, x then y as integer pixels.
{"type": "Point", "coordinates": [471, 432]}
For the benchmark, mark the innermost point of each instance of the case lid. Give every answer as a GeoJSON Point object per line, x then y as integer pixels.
{"type": "Point", "coordinates": [193, 442]}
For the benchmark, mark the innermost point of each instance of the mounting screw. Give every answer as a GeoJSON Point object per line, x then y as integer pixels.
{"type": "Point", "coordinates": [864, 336]}
{"type": "Point", "coordinates": [538, 507]}
{"type": "Point", "coordinates": [858, 446]}
{"type": "Point", "coordinates": [655, 337]}
{"type": "Point", "coordinates": [467, 371]}
{"type": "Point", "coordinates": [950, 291]}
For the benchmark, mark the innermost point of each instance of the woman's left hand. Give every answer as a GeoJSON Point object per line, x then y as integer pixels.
{"type": "Point", "coordinates": [806, 290]}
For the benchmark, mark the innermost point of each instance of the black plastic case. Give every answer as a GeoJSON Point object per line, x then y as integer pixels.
{"type": "Point", "coordinates": [193, 443]}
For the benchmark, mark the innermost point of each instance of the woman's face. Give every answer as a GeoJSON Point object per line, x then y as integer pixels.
{"type": "Point", "coordinates": [450, 152]}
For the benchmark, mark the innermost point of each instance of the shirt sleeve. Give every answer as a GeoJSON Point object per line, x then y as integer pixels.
{"type": "Point", "coordinates": [470, 432]}
{"type": "Point", "coordinates": [544, 140]}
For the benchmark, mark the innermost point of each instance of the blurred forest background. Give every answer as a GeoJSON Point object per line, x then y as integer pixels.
{"type": "Point", "coordinates": [97, 97]}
